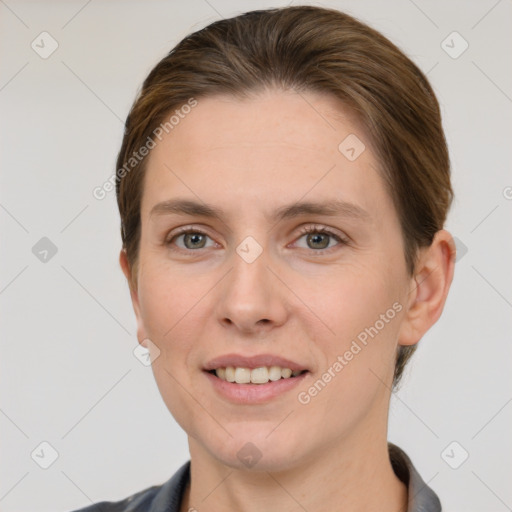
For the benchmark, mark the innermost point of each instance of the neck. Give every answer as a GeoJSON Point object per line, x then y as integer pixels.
{"type": "Point", "coordinates": [356, 476]}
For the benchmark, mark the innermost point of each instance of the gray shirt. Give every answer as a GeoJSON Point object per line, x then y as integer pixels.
{"type": "Point", "coordinates": [167, 497]}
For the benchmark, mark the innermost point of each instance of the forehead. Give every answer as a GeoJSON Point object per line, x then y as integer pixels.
{"type": "Point", "coordinates": [306, 121]}
{"type": "Point", "coordinates": [275, 147]}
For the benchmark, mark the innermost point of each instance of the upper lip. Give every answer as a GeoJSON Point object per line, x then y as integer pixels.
{"type": "Point", "coordinates": [257, 361]}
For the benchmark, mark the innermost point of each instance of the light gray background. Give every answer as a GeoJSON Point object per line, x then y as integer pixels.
{"type": "Point", "coordinates": [68, 374]}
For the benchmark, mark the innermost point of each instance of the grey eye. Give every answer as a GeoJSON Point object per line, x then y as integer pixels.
{"type": "Point", "coordinates": [194, 240]}
{"type": "Point", "coordinates": [318, 240]}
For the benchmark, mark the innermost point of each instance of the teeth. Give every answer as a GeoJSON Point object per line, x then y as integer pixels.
{"type": "Point", "coordinates": [286, 373]}
{"type": "Point", "coordinates": [242, 375]}
{"type": "Point", "coordinates": [274, 373]}
{"type": "Point", "coordinates": [230, 374]}
{"type": "Point", "coordinates": [261, 375]}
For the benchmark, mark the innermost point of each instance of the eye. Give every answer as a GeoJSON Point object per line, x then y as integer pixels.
{"type": "Point", "coordinates": [192, 239]}
{"type": "Point", "coordinates": [319, 238]}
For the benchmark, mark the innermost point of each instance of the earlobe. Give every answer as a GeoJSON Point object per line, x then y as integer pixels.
{"type": "Point", "coordinates": [429, 288]}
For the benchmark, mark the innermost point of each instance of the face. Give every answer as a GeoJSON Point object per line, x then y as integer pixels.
{"type": "Point", "coordinates": [292, 257]}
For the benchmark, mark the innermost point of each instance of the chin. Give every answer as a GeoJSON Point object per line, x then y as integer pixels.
{"type": "Point", "coordinates": [258, 452]}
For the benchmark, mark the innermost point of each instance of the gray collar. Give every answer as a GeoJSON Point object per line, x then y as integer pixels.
{"type": "Point", "coordinates": [421, 497]}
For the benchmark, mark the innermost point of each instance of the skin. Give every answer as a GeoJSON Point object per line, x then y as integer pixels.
{"type": "Point", "coordinates": [296, 300]}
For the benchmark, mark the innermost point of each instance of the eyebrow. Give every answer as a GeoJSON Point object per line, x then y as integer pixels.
{"type": "Point", "coordinates": [329, 208]}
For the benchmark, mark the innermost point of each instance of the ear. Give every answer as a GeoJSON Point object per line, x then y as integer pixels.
{"type": "Point", "coordinates": [127, 271]}
{"type": "Point", "coordinates": [429, 288]}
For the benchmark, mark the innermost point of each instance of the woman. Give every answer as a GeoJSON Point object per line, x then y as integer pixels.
{"type": "Point", "coordinates": [283, 183]}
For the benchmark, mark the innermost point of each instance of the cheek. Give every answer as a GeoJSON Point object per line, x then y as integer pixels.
{"type": "Point", "coordinates": [357, 361]}
{"type": "Point", "coordinates": [353, 297]}
{"type": "Point", "coordinates": [361, 306]}
{"type": "Point", "coordinates": [364, 311]}
{"type": "Point", "coordinates": [169, 303]}
{"type": "Point", "coordinates": [168, 298]}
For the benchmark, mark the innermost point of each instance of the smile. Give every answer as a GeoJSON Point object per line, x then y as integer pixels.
{"type": "Point", "coordinates": [261, 375]}
{"type": "Point", "coordinates": [254, 379]}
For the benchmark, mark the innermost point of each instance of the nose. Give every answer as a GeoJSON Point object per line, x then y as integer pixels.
{"type": "Point", "coordinates": [251, 298]}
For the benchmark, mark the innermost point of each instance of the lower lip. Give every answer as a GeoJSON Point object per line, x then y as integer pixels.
{"type": "Point", "coordinates": [253, 393]}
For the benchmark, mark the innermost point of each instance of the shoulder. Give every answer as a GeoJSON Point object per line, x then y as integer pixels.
{"type": "Point", "coordinates": [158, 498]}
{"type": "Point", "coordinates": [138, 502]}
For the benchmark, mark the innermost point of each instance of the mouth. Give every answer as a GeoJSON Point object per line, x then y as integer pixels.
{"type": "Point", "coordinates": [256, 379]}
{"type": "Point", "coordinates": [259, 375]}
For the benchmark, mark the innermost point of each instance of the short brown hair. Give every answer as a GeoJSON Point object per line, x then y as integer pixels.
{"type": "Point", "coordinates": [313, 49]}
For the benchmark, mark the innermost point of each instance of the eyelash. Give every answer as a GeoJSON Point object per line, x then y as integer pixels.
{"type": "Point", "coordinates": [304, 231]}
